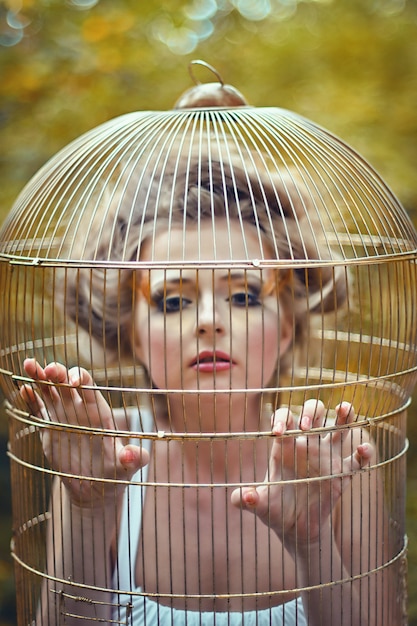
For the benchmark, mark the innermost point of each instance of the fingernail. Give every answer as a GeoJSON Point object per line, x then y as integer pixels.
{"type": "Point", "coordinates": [128, 457]}
{"type": "Point", "coordinates": [365, 449]}
{"type": "Point", "coordinates": [305, 422]}
{"type": "Point", "coordinates": [251, 498]}
{"type": "Point", "coordinates": [278, 428]}
{"type": "Point", "coordinates": [74, 378]}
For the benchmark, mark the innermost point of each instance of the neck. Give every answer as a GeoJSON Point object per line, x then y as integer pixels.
{"type": "Point", "coordinates": [217, 413]}
{"type": "Point", "coordinates": [220, 457]}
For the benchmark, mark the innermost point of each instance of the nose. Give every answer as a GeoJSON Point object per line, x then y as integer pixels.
{"type": "Point", "coordinates": [209, 319]}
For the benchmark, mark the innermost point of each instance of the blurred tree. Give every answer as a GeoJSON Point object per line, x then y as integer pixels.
{"type": "Point", "coordinates": [347, 64]}
{"type": "Point", "coordinates": [66, 66]}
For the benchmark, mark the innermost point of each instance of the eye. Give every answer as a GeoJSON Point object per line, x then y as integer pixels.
{"type": "Point", "coordinates": [245, 299]}
{"type": "Point", "coordinates": [172, 304]}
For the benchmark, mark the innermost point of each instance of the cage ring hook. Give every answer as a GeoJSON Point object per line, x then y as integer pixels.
{"type": "Point", "coordinates": [206, 65]}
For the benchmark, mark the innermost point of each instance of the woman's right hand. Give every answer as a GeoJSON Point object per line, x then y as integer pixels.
{"type": "Point", "coordinates": [93, 466]}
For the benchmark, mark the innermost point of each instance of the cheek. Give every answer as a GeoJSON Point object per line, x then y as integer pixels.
{"type": "Point", "coordinates": [267, 340]}
{"type": "Point", "coordinates": [152, 346]}
{"type": "Point", "coordinates": [159, 351]}
{"type": "Point", "coordinates": [263, 339]}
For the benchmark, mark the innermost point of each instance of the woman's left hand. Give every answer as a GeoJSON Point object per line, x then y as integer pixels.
{"type": "Point", "coordinates": [307, 473]}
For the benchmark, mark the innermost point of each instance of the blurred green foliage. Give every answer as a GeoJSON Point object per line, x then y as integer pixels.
{"type": "Point", "coordinates": [66, 66]}
{"type": "Point", "coordinates": [349, 65]}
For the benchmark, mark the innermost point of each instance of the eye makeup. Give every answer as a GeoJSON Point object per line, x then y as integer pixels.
{"type": "Point", "coordinates": [243, 288]}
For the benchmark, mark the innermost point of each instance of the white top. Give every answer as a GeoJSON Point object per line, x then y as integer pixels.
{"type": "Point", "coordinates": [133, 607]}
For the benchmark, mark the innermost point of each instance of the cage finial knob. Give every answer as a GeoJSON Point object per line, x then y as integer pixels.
{"type": "Point", "coordinates": [207, 95]}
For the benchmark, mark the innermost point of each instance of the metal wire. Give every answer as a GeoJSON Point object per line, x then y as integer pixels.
{"type": "Point", "coordinates": [297, 266]}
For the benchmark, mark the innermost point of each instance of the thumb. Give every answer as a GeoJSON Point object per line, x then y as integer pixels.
{"type": "Point", "coordinates": [245, 498]}
{"type": "Point", "coordinates": [132, 458]}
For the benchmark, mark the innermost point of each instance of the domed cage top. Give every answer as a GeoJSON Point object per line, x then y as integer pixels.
{"type": "Point", "coordinates": [208, 266]}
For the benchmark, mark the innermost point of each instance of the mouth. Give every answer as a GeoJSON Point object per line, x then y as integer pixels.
{"type": "Point", "coordinates": [208, 361]}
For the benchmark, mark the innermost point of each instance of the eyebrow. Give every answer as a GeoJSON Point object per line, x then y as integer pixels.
{"type": "Point", "coordinates": [246, 277]}
{"type": "Point", "coordinates": [180, 280]}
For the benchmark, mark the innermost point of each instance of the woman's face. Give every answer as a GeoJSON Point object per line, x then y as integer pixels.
{"type": "Point", "coordinates": [202, 329]}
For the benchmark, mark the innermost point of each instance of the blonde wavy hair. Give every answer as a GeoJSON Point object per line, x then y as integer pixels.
{"type": "Point", "coordinates": [141, 200]}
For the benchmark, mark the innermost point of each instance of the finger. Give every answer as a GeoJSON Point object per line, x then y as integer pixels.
{"type": "Point", "coordinates": [33, 400]}
{"type": "Point", "coordinates": [33, 369]}
{"type": "Point", "coordinates": [345, 413]}
{"type": "Point", "coordinates": [81, 379]}
{"type": "Point", "coordinates": [283, 449]}
{"type": "Point", "coordinates": [245, 497]}
{"type": "Point", "coordinates": [75, 384]}
{"type": "Point", "coordinates": [312, 414]}
{"type": "Point", "coordinates": [91, 398]}
{"type": "Point", "coordinates": [359, 459]}
{"type": "Point", "coordinates": [282, 420]}
{"type": "Point", "coordinates": [57, 374]}
{"type": "Point", "coordinates": [39, 401]}
{"type": "Point", "coordinates": [53, 388]}
{"type": "Point", "coordinates": [71, 386]}
{"type": "Point", "coordinates": [41, 375]}
{"type": "Point", "coordinates": [132, 458]}
{"type": "Point", "coordinates": [362, 456]}
{"type": "Point", "coordinates": [63, 393]}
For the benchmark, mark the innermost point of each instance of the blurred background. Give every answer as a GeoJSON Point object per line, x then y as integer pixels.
{"type": "Point", "coordinates": [68, 65]}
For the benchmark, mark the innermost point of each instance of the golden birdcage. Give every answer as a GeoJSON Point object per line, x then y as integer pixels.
{"type": "Point", "coordinates": [208, 346]}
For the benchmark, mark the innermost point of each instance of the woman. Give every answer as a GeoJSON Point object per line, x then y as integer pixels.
{"type": "Point", "coordinates": [157, 529]}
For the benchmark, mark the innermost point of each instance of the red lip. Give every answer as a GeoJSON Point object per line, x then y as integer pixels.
{"type": "Point", "coordinates": [209, 361]}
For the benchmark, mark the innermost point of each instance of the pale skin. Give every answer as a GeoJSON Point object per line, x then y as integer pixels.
{"type": "Point", "coordinates": [301, 535]}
